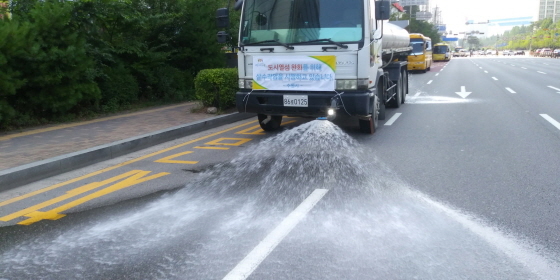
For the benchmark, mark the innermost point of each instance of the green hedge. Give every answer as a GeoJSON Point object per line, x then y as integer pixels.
{"type": "Point", "coordinates": [62, 59]}
{"type": "Point", "coordinates": [217, 87]}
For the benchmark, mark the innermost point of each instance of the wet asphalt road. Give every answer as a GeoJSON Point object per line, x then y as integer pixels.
{"type": "Point", "coordinates": [453, 188]}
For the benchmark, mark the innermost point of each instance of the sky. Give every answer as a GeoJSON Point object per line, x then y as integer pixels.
{"type": "Point", "coordinates": [454, 13]}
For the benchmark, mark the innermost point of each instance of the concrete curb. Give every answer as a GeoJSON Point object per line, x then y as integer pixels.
{"type": "Point", "coordinates": [28, 173]}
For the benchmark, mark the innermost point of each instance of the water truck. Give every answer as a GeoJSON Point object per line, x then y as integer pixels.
{"type": "Point", "coordinates": [319, 59]}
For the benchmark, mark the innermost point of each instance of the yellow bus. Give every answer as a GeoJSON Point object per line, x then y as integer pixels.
{"type": "Point", "coordinates": [420, 57]}
{"type": "Point", "coordinates": [442, 52]}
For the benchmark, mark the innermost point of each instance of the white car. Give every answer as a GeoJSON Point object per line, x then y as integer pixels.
{"type": "Point", "coordinates": [508, 52]}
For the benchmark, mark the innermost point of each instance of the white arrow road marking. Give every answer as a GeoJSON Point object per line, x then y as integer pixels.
{"type": "Point", "coordinates": [259, 253]}
{"type": "Point", "coordinates": [393, 119]}
{"type": "Point", "coordinates": [463, 93]}
{"type": "Point", "coordinates": [551, 120]}
{"type": "Point", "coordinates": [510, 90]}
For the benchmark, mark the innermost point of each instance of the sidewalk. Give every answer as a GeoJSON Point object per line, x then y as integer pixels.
{"type": "Point", "coordinates": [21, 151]}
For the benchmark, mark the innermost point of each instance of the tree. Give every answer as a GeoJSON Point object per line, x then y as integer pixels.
{"type": "Point", "coordinates": [473, 41]}
{"type": "Point", "coordinates": [420, 26]}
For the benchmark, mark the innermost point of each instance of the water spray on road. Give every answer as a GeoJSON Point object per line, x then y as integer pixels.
{"type": "Point", "coordinates": [370, 225]}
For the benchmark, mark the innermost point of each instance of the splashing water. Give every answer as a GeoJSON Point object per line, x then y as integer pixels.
{"type": "Point", "coordinates": [289, 166]}
{"type": "Point", "coordinates": [369, 226]}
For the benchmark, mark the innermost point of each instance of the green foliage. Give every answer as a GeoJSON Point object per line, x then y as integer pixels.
{"type": "Point", "coordinates": [540, 34]}
{"type": "Point", "coordinates": [119, 89]}
{"type": "Point", "coordinates": [12, 41]}
{"type": "Point", "coordinates": [474, 42]}
{"type": "Point", "coordinates": [419, 26]}
{"type": "Point", "coordinates": [217, 87]}
{"type": "Point", "coordinates": [426, 28]}
{"type": "Point", "coordinates": [61, 58]}
{"type": "Point", "coordinates": [57, 69]}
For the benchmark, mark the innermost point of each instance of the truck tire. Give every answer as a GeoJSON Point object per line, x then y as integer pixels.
{"type": "Point", "coordinates": [272, 125]}
{"type": "Point", "coordinates": [381, 97]}
{"type": "Point", "coordinates": [404, 76]}
{"type": "Point", "coordinates": [370, 125]}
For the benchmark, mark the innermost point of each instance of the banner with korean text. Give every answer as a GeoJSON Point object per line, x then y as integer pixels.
{"type": "Point", "coordinates": [312, 73]}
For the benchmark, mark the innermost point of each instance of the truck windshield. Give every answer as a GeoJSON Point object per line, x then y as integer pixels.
{"type": "Point", "coordinates": [297, 21]}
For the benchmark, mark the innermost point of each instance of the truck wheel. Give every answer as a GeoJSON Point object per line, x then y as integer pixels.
{"type": "Point", "coordinates": [380, 97]}
{"type": "Point", "coordinates": [370, 125]}
{"type": "Point", "coordinates": [272, 124]}
{"type": "Point", "coordinates": [404, 84]}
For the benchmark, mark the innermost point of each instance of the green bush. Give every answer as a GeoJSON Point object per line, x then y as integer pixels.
{"type": "Point", "coordinates": [12, 41]}
{"type": "Point", "coordinates": [119, 89]}
{"type": "Point", "coordinates": [63, 59]}
{"type": "Point", "coordinates": [58, 72]}
{"type": "Point", "coordinates": [216, 87]}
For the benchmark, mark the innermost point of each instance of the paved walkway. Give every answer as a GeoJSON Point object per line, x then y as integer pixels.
{"type": "Point", "coordinates": [46, 142]}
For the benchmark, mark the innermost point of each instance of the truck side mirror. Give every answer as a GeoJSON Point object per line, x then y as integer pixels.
{"type": "Point", "coordinates": [222, 37]}
{"type": "Point", "coordinates": [382, 10]}
{"type": "Point", "coordinates": [222, 18]}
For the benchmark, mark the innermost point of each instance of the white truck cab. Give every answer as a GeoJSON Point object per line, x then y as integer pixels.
{"type": "Point", "coordinates": [319, 58]}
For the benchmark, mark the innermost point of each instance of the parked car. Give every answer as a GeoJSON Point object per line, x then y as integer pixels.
{"type": "Point", "coordinates": [556, 53]}
{"type": "Point", "coordinates": [519, 52]}
{"type": "Point", "coordinates": [546, 52]}
{"type": "Point", "coordinates": [507, 52]}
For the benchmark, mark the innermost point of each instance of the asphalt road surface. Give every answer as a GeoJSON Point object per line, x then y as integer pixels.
{"type": "Point", "coordinates": [461, 182]}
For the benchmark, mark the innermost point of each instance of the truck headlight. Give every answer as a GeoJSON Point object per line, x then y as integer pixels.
{"type": "Point", "coordinates": [346, 84]}
{"type": "Point", "coordinates": [247, 84]}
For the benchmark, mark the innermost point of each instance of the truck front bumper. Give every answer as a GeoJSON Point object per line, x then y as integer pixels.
{"type": "Point", "coordinates": [354, 103]}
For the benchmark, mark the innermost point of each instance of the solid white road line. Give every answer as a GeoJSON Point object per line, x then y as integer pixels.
{"type": "Point", "coordinates": [267, 245]}
{"type": "Point", "coordinates": [541, 72]}
{"type": "Point", "coordinates": [541, 266]}
{"type": "Point", "coordinates": [430, 81]}
{"type": "Point", "coordinates": [495, 79]}
{"type": "Point", "coordinates": [417, 94]}
{"type": "Point", "coordinates": [551, 120]}
{"type": "Point", "coordinates": [558, 89]}
{"type": "Point", "coordinates": [510, 90]}
{"type": "Point", "coordinates": [393, 119]}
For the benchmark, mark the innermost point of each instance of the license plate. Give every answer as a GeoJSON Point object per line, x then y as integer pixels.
{"type": "Point", "coordinates": [295, 101]}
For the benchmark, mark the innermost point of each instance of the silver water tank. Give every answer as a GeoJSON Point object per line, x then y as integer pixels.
{"type": "Point", "coordinates": [394, 37]}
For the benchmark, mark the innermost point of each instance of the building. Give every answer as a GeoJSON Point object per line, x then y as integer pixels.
{"type": "Point", "coordinates": [549, 9]}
